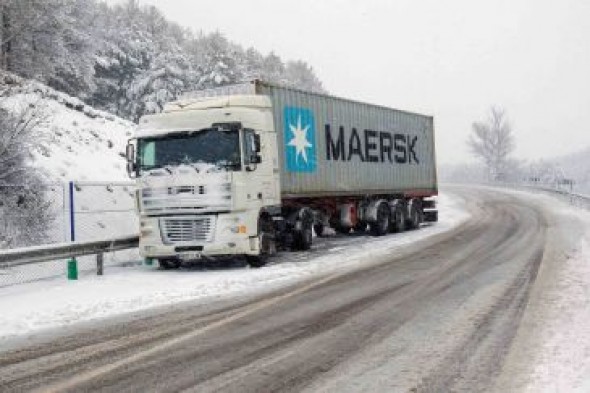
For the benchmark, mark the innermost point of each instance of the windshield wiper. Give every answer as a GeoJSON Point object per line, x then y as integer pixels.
{"type": "Point", "coordinates": [229, 165]}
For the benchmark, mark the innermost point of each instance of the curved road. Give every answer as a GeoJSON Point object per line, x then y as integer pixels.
{"type": "Point", "coordinates": [439, 318]}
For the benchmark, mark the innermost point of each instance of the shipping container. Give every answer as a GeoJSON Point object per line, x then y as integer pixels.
{"type": "Point", "coordinates": [335, 146]}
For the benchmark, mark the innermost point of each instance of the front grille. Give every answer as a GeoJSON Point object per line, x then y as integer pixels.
{"type": "Point", "coordinates": [213, 197]}
{"type": "Point", "coordinates": [187, 230]}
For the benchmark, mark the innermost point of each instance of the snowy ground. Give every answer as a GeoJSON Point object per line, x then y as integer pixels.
{"type": "Point", "coordinates": [30, 308]}
{"type": "Point", "coordinates": [72, 138]}
{"type": "Point", "coordinates": [552, 349]}
{"type": "Point", "coordinates": [75, 142]}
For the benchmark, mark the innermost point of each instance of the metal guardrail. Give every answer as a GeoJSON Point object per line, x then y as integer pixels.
{"type": "Point", "coordinates": [572, 198]}
{"type": "Point", "coordinates": [47, 253]}
{"type": "Point", "coordinates": [32, 255]}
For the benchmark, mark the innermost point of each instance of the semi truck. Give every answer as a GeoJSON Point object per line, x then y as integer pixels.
{"type": "Point", "coordinates": [251, 169]}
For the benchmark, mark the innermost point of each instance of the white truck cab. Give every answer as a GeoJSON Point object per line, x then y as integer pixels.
{"type": "Point", "coordinates": [205, 169]}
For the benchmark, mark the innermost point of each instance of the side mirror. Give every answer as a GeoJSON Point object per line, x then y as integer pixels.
{"type": "Point", "coordinates": [252, 150]}
{"type": "Point", "coordinates": [131, 169]}
{"type": "Point", "coordinates": [130, 152]}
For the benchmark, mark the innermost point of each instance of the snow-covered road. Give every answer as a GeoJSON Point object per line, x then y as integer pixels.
{"type": "Point", "coordinates": [29, 308]}
{"type": "Point", "coordinates": [499, 303]}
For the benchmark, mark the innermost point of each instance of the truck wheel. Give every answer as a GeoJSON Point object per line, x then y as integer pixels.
{"type": "Point", "coordinates": [342, 230]}
{"type": "Point", "coordinates": [303, 233]}
{"type": "Point", "coordinates": [414, 219]}
{"type": "Point", "coordinates": [267, 235]}
{"type": "Point", "coordinates": [319, 229]}
{"type": "Point", "coordinates": [360, 227]}
{"type": "Point", "coordinates": [303, 238]}
{"type": "Point", "coordinates": [266, 240]}
{"type": "Point", "coordinates": [169, 263]}
{"type": "Point", "coordinates": [257, 261]}
{"type": "Point", "coordinates": [399, 222]}
{"type": "Point", "coordinates": [381, 226]}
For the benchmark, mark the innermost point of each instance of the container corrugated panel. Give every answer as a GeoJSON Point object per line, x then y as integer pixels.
{"type": "Point", "coordinates": [333, 146]}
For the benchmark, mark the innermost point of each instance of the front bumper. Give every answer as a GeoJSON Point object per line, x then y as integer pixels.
{"type": "Point", "coordinates": [232, 234]}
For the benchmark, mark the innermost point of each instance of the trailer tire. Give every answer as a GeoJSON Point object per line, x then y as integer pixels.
{"type": "Point", "coordinates": [303, 237]}
{"type": "Point", "coordinates": [169, 263]}
{"type": "Point", "coordinates": [381, 225]}
{"type": "Point", "coordinates": [414, 218]}
{"type": "Point", "coordinates": [398, 224]}
{"type": "Point", "coordinates": [341, 229]}
{"type": "Point", "coordinates": [360, 227]}
{"type": "Point", "coordinates": [319, 229]}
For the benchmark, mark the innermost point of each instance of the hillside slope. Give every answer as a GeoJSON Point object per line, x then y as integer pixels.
{"type": "Point", "coordinates": [73, 141]}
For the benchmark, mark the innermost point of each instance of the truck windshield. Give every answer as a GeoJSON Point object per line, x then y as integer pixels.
{"type": "Point", "coordinates": [209, 146]}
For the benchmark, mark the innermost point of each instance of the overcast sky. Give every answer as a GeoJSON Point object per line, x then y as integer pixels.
{"type": "Point", "coordinates": [451, 59]}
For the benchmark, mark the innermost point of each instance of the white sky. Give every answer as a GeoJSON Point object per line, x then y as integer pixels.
{"type": "Point", "coordinates": [451, 59]}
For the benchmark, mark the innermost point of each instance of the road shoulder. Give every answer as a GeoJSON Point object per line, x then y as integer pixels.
{"type": "Point", "coordinates": [551, 350]}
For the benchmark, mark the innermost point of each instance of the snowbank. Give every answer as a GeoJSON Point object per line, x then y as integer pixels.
{"type": "Point", "coordinates": [562, 363]}
{"type": "Point", "coordinates": [28, 308]}
{"type": "Point", "coordinates": [74, 140]}
{"type": "Point", "coordinates": [551, 352]}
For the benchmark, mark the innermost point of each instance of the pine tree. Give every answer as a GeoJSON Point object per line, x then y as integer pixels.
{"type": "Point", "coordinates": [49, 40]}
{"type": "Point", "coordinates": [299, 74]}
{"type": "Point", "coordinates": [273, 69]}
{"type": "Point", "coordinates": [127, 58]}
{"type": "Point", "coordinates": [215, 61]}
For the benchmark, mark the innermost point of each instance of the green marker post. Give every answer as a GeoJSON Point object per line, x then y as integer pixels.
{"type": "Point", "coordinates": [72, 263]}
{"type": "Point", "coordinates": [72, 269]}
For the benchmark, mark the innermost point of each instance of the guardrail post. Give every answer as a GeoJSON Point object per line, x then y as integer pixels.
{"type": "Point", "coordinates": [72, 269]}
{"type": "Point", "coordinates": [72, 263]}
{"type": "Point", "coordinates": [99, 264]}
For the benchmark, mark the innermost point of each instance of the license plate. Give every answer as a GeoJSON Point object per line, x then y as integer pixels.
{"type": "Point", "coordinates": [186, 256]}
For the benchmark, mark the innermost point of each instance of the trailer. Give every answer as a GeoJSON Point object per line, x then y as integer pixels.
{"type": "Point", "coordinates": [256, 168]}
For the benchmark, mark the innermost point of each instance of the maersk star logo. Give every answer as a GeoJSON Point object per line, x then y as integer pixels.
{"type": "Point", "coordinates": [299, 141]}
{"type": "Point", "coordinates": [300, 149]}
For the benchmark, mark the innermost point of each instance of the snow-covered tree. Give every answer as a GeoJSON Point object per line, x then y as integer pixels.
{"type": "Point", "coordinates": [125, 52]}
{"type": "Point", "coordinates": [167, 77]}
{"type": "Point", "coordinates": [214, 61]}
{"type": "Point", "coordinates": [127, 58]}
{"type": "Point", "coordinates": [492, 142]}
{"type": "Point", "coordinates": [273, 69]}
{"type": "Point", "coordinates": [74, 58]}
{"type": "Point", "coordinates": [24, 213]}
{"type": "Point", "coordinates": [300, 74]}
{"type": "Point", "coordinates": [49, 40]}
{"type": "Point", "coordinates": [252, 63]}
{"type": "Point", "coordinates": [141, 64]}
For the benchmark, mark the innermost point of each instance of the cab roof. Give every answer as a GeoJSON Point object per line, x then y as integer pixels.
{"type": "Point", "coordinates": [252, 101]}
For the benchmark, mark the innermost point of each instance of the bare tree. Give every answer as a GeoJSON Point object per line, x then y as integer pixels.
{"type": "Point", "coordinates": [492, 141]}
{"type": "Point", "coordinates": [25, 214]}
